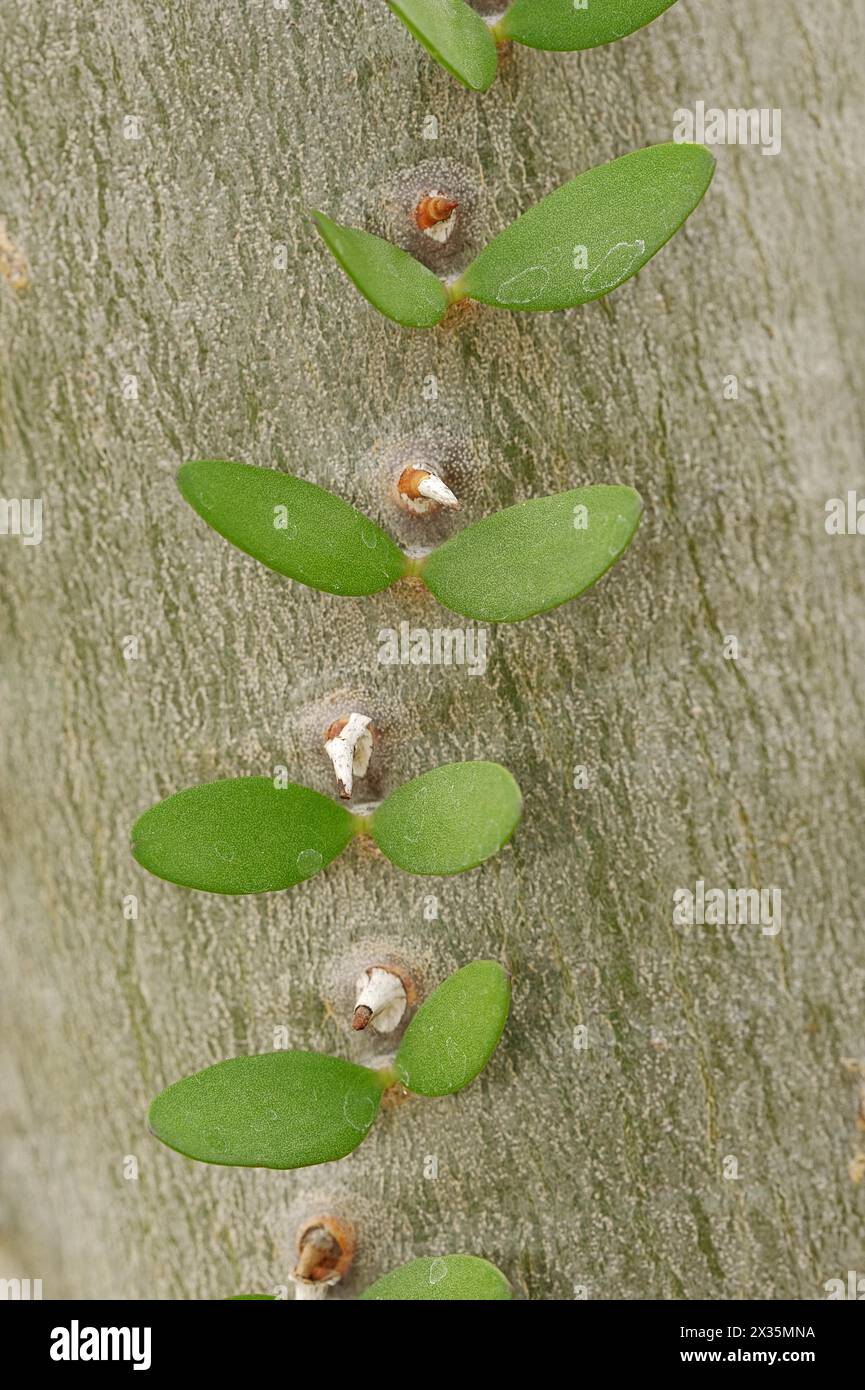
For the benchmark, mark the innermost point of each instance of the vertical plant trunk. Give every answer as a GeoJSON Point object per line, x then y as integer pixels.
{"type": "Point", "coordinates": [157, 171]}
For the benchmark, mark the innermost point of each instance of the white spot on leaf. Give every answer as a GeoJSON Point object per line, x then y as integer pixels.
{"type": "Point", "coordinates": [615, 267]}
{"type": "Point", "coordinates": [359, 1110]}
{"type": "Point", "coordinates": [526, 286]}
{"type": "Point", "coordinates": [309, 861]}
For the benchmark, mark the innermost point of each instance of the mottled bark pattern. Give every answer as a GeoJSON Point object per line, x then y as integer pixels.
{"type": "Point", "coordinates": [185, 259]}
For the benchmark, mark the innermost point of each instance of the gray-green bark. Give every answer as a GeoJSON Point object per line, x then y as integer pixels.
{"type": "Point", "coordinates": [159, 258]}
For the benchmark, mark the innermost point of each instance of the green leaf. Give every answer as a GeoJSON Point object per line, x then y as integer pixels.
{"type": "Point", "coordinates": [450, 819]}
{"type": "Point", "coordinates": [455, 1033]}
{"type": "Point", "coordinates": [276, 1110]}
{"type": "Point", "coordinates": [393, 281]}
{"type": "Point", "coordinates": [292, 526]}
{"type": "Point", "coordinates": [455, 35]}
{"type": "Point", "coordinates": [445, 1278]}
{"type": "Point", "coordinates": [593, 233]}
{"type": "Point", "coordinates": [251, 1298]}
{"type": "Point", "coordinates": [558, 26]}
{"type": "Point", "coordinates": [530, 558]}
{"type": "Point", "coordinates": [241, 835]}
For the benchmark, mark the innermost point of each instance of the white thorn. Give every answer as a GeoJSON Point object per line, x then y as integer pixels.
{"type": "Point", "coordinates": [317, 1245]}
{"type": "Point", "coordinates": [382, 993]}
{"type": "Point", "coordinates": [311, 1288]}
{"type": "Point", "coordinates": [419, 488]}
{"type": "Point", "coordinates": [350, 751]}
{"type": "Point", "coordinates": [342, 757]}
{"type": "Point", "coordinates": [441, 231]}
{"type": "Point", "coordinates": [437, 491]}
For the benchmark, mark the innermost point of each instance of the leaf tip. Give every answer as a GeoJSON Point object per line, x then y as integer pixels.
{"type": "Point", "coordinates": [699, 154]}
{"type": "Point", "coordinates": [484, 84]}
{"type": "Point", "coordinates": [183, 478]}
{"type": "Point", "coordinates": [326, 227]}
{"type": "Point", "coordinates": [634, 498]}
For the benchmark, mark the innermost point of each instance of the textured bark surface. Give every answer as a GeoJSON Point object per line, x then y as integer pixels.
{"type": "Point", "coordinates": [186, 259]}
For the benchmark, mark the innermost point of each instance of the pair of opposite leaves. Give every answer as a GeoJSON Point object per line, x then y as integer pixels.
{"type": "Point", "coordinates": [576, 245]}
{"type": "Point", "coordinates": [459, 39]}
{"type": "Point", "coordinates": [445, 1278]}
{"type": "Point", "coordinates": [246, 835]}
{"type": "Point", "coordinates": [522, 561]}
{"type": "Point", "coordinates": [292, 1109]}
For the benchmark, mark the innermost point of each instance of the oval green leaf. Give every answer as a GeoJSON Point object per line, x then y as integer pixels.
{"type": "Point", "coordinates": [292, 526]}
{"type": "Point", "coordinates": [276, 1110]}
{"type": "Point", "coordinates": [532, 557]}
{"type": "Point", "coordinates": [455, 35]}
{"type": "Point", "coordinates": [395, 283]}
{"type": "Point", "coordinates": [446, 1278]}
{"type": "Point", "coordinates": [593, 233]}
{"type": "Point", "coordinates": [448, 820]}
{"type": "Point", "coordinates": [455, 1033]}
{"type": "Point", "coordinates": [557, 25]}
{"type": "Point", "coordinates": [241, 835]}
